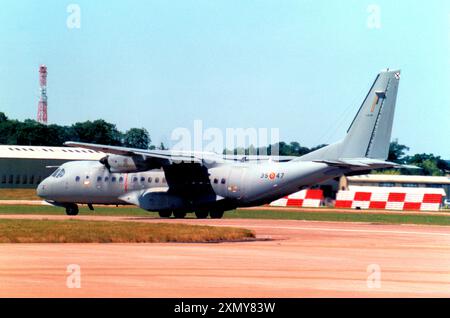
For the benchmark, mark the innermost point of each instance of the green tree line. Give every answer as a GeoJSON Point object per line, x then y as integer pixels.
{"type": "Point", "coordinates": [31, 133]}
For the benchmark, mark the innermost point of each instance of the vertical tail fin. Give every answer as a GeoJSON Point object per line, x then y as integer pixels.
{"type": "Point", "coordinates": [370, 131]}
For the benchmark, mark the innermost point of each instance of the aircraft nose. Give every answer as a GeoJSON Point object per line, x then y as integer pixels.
{"type": "Point", "coordinates": [43, 189]}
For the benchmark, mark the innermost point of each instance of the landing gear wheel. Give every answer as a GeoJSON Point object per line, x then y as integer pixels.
{"type": "Point", "coordinates": [201, 214]}
{"type": "Point", "coordinates": [165, 214]}
{"type": "Point", "coordinates": [179, 214]}
{"type": "Point", "coordinates": [216, 214]}
{"type": "Point", "coordinates": [72, 209]}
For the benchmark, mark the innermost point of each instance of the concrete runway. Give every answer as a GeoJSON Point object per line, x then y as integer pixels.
{"type": "Point", "coordinates": [302, 259]}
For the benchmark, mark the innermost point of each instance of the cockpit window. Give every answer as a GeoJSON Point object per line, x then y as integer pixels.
{"type": "Point", "coordinates": [61, 173]}
{"type": "Point", "coordinates": [58, 173]}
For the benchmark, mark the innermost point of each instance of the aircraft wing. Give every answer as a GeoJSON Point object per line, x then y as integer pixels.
{"type": "Point", "coordinates": [165, 156]}
{"type": "Point", "coordinates": [177, 156]}
{"type": "Point", "coordinates": [253, 158]}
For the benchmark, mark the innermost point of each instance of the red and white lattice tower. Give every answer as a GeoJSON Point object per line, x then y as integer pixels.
{"type": "Point", "coordinates": [42, 106]}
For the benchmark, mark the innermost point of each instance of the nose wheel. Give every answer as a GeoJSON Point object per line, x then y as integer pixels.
{"type": "Point", "coordinates": [72, 209]}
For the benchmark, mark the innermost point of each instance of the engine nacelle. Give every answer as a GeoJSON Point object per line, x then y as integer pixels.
{"type": "Point", "coordinates": [124, 164]}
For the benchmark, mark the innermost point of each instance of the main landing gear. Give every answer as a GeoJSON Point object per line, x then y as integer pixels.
{"type": "Point", "coordinates": [201, 214]}
{"type": "Point", "coordinates": [165, 214]}
{"type": "Point", "coordinates": [72, 209]}
{"type": "Point", "coordinates": [216, 214]}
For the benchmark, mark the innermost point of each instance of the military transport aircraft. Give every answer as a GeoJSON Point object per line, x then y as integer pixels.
{"type": "Point", "coordinates": [179, 182]}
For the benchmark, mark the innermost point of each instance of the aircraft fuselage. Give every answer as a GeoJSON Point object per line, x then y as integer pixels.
{"type": "Point", "coordinates": [231, 185]}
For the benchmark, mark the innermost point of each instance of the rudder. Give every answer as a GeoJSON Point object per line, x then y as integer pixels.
{"type": "Point", "coordinates": [369, 133]}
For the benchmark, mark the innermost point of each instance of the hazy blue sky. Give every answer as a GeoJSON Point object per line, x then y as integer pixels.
{"type": "Point", "coordinates": [301, 66]}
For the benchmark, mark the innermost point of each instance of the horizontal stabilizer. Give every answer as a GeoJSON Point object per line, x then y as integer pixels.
{"type": "Point", "coordinates": [365, 163]}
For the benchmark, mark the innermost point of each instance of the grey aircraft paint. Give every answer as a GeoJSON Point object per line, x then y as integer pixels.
{"type": "Point", "coordinates": [205, 183]}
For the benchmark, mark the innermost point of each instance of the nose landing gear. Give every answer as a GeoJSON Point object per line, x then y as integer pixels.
{"type": "Point", "coordinates": [72, 209]}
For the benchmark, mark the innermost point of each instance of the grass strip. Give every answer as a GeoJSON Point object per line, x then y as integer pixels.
{"type": "Point", "coordinates": [77, 231]}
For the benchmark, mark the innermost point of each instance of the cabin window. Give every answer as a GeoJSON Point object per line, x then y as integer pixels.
{"type": "Point", "coordinates": [149, 179]}
{"type": "Point", "coordinates": [99, 179]}
{"type": "Point", "coordinates": [106, 179]}
{"type": "Point", "coordinates": [216, 181]}
{"type": "Point", "coordinates": [223, 181]}
{"type": "Point", "coordinates": [113, 179]}
{"type": "Point", "coordinates": [163, 180]}
{"type": "Point", "coordinates": [142, 179]}
{"type": "Point", "coordinates": [156, 180]}
{"type": "Point", "coordinates": [77, 179]}
{"type": "Point", "coordinates": [135, 179]}
{"type": "Point", "coordinates": [120, 179]}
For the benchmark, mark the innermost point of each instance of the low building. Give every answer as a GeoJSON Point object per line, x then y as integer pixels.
{"type": "Point", "coordinates": [27, 166]}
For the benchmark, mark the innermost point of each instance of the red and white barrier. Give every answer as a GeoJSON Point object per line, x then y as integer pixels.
{"type": "Point", "coordinates": [305, 198]}
{"type": "Point", "coordinates": [390, 198]}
